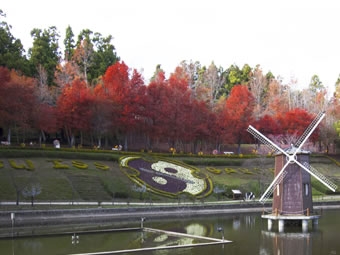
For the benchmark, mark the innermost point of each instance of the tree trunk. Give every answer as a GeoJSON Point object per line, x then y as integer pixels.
{"type": "Point", "coordinates": [126, 143]}
{"type": "Point", "coordinates": [9, 136]}
{"type": "Point", "coordinates": [67, 135]}
{"type": "Point", "coordinates": [72, 140]}
{"type": "Point", "coordinates": [42, 137]}
{"type": "Point", "coordinates": [81, 138]}
{"type": "Point", "coordinates": [99, 142]}
{"type": "Point", "coordinates": [239, 148]}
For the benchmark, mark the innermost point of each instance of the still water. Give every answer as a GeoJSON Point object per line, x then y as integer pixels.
{"type": "Point", "coordinates": [248, 233]}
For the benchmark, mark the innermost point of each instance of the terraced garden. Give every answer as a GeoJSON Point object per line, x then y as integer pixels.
{"type": "Point", "coordinates": [71, 176]}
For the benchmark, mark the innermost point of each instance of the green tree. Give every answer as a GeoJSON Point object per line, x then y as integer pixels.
{"type": "Point", "coordinates": [236, 76]}
{"type": "Point", "coordinates": [316, 85]}
{"type": "Point", "coordinates": [69, 44]}
{"type": "Point", "coordinates": [104, 55]}
{"type": "Point", "coordinates": [11, 49]}
{"type": "Point", "coordinates": [94, 54]}
{"type": "Point", "coordinates": [45, 52]}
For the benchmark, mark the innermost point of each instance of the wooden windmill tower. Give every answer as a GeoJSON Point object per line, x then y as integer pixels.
{"type": "Point", "coordinates": [291, 187]}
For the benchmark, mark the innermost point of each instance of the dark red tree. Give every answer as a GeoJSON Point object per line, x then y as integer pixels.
{"type": "Point", "coordinates": [237, 116]}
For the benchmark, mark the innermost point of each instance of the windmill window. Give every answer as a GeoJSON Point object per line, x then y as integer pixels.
{"type": "Point", "coordinates": [306, 189]}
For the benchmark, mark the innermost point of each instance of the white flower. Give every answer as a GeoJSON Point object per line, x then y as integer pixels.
{"type": "Point", "coordinates": [160, 180]}
{"type": "Point", "coordinates": [161, 238]}
{"type": "Point", "coordinates": [124, 161]}
{"type": "Point", "coordinates": [194, 185]}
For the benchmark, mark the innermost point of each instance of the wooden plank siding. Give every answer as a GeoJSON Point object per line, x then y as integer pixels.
{"type": "Point", "coordinates": [295, 191]}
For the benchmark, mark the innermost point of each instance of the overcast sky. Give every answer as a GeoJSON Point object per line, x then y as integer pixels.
{"type": "Point", "coordinates": [291, 38]}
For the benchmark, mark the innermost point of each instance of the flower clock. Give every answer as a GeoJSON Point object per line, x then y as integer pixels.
{"type": "Point", "coordinates": [166, 177]}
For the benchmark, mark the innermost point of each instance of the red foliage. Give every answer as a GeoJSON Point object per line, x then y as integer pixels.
{"type": "Point", "coordinates": [17, 99]}
{"type": "Point", "coordinates": [157, 106]}
{"type": "Point", "coordinates": [126, 97]}
{"type": "Point", "coordinates": [45, 118]}
{"type": "Point", "coordinates": [172, 112]}
{"type": "Point", "coordinates": [122, 104]}
{"type": "Point", "coordinates": [237, 115]}
{"type": "Point", "coordinates": [267, 125]}
{"type": "Point", "coordinates": [74, 107]}
{"type": "Point", "coordinates": [294, 123]}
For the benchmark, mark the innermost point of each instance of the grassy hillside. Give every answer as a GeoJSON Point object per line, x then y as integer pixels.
{"type": "Point", "coordinates": [95, 184]}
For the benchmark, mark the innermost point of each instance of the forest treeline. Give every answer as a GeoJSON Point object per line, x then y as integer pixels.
{"type": "Point", "coordinates": [87, 96]}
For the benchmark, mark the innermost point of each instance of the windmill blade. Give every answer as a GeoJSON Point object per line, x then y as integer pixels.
{"type": "Point", "coordinates": [265, 140]}
{"type": "Point", "coordinates": [306, 134]}
{"type": "Point", "coordinates": [319, 176]}
{"type": "Point", "coordinates": [277, 180]}
{"type": "Point", "coordinates": [309, 130]}
{"type": "Point", "coordinates": [272, 187]}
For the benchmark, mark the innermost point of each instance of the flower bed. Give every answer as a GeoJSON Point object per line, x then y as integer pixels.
{"type": "Point", "coordinates": [229, 170]}
{"type": "Point", "coordinates": [29, 165]}
{"type": "Point", "coordinates": [166, 177]}
{"type": "Point", "coordinates": [101, 166]}
{"type": "Point", "coordinates": [213, 170]}
{"type": "Point", "coordinates": [58, 165]}
{"type": "Point", "coordinates": [79, 164]}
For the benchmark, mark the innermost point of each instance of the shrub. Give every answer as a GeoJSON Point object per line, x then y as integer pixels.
{"type": "Point", "coordinates": [79, 164]}
{"type": "Point", "coordinates": [245, 171]}
{"type": "Point", "coordinates": [29, 165]}
{"type": "Point", "coordinates": [58, 165]}
{"type": "Point", "coordinates": [213, 170]}
{"type": "Point", "coordinates": [229, 170]}
{"type": "Point", "coordinates": [213, 161]}
{"type": "Point", "coordinates": [101, 166]}
{"type": "Point", "coordinates": [334, 160]}
{"type": "Point", "coordinates": [15, 165]}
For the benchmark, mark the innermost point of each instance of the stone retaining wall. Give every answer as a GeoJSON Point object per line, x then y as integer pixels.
{"type": "Point", "coordinates": [62, 216]}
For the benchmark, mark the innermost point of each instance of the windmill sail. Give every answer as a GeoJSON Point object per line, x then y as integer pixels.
{"type": "Point", "coordinates": [265, 140]}
{"type": "Point", "coordinates": [309, 130]}
{"type": "Point", "coordinates": [279, 178]}
{"type": "Point", "coordinates": [328, 183]}
{"type": "Point", "coordinates": [291, 157]}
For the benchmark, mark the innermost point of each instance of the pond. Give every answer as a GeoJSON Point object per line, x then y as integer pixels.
{"type": "Point", "coordinates": [248, 233]}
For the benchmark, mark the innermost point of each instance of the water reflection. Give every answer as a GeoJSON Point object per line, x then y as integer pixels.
{"type": "Point", "coordinates": [286, 243]}
{"type": "Point", "coordinates": [236, 223]}
{"type": "Point", "coordinates": [247, 231]}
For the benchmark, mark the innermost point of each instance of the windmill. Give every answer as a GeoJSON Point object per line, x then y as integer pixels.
{"type": "Point", "coordinates": [292, 183]}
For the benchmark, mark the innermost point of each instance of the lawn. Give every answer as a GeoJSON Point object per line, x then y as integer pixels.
{"type": "Point", "coordinates": [92, 183]}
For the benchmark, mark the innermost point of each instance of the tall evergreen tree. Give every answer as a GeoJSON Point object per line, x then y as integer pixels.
{"type": "Point", "coordinates": [104, 55]}
{"type": "Point", "coordinates": [69, 44]}
{"type": "Point", "coordinates": [45, 52]}
{"type": "Point", "coordinates": [11, 49]}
